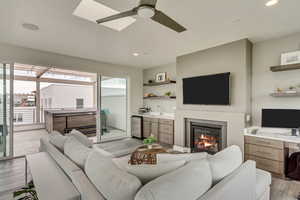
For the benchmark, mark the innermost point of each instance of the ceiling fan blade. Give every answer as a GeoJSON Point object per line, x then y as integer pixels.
{"type": "Point", "coordinates": [163, 19]}
{"type": "Point", "coordinates": [118, 16]}
{"type": "Point", "coordinates": [148, 2]}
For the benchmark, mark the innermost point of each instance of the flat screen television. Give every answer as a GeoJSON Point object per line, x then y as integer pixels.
{"type": "Point", "coordinates": [280, 118]}
{"type": "Point", "coordinates": [207, 90]}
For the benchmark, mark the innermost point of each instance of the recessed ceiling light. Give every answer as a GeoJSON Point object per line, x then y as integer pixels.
{"type": "Point", "coordinates": [271, 3]}
{"type": "Point", "coordinates": [92, 10]}
{"type": "Point", "coordinates": [135, 54]}
{"type": "Point", "coordinates": [30, 26]}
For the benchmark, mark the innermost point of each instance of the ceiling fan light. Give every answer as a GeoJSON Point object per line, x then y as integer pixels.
{"type": "Point", "coordinates": [146, 12]}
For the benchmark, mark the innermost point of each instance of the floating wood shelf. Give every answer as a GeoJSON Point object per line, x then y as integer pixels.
{"type": "Point", "coordinates": [159, 83]}
{"type": "Point", "coordinates": [161, 97]}
{"type": "Point", "coordinates": [281, 68]}
{"type": "Point", "coordinates": [283, 94]}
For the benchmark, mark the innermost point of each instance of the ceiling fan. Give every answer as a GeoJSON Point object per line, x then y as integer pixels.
{"type": "Point", "coordinates": [146, 9]}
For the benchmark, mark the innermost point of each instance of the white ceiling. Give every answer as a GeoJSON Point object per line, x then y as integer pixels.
{"type": "Point", "coordinates": [209, 23]}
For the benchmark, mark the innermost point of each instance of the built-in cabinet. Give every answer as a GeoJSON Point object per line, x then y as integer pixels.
{"type": "Point", "coordinates": [162, 129]}
{"type": "Point", "coordinates": [268, 154]}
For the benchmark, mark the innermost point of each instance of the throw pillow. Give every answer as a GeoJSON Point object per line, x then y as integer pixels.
{"type": "Point", "coordinates": [58, 140]}
{"type": "Point", "coordinates": [81, 138]}
{"type": "Point", "coordinates": [188, 182]}
{"type": "Point", "coordinates": [112, 182]}
{"type": "Point", "coordinates": [76, 151]}
{"type": "Point", "coordinates": [225, 162]}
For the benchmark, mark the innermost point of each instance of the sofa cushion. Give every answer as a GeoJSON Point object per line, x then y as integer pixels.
{"type": "Point", "coordinates": [112, 182]}
{"type": "Point", "coordinates": [147, 173]}
{"type": "Point", "coordinates": [263, 181]}
{"type": "Point", "coordinates": [76, 151]}
{"type": "Point", "coordinates": [225, 162]}
{"type": "Point", "coordinates": [188, 182]}
{"type": "Point", "coordinates": [81, 138]}
{"type": "Point", "coordinates": [58, 140]}
{"type": "Point", "coordinates": [165, 157]}
{"type": "Point", "coordinates": [66, 164]}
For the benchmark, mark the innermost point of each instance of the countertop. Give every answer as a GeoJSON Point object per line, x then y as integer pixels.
{"type": "Point", "coordinates": [71, 111]}
{"type": "Point", "coordinates": [280, 134]}
{"type": "Point", "coordinates": [170, 116]}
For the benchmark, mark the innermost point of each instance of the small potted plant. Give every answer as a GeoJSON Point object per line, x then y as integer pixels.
{"type": "Point", "coordinates": [149, 141]}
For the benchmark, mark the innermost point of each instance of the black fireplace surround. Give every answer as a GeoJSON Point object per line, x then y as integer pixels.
{"type": "Point", "coordinates": [205, 136]}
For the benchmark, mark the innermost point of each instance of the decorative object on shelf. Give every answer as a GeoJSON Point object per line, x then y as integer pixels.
{"type": "Point", "coordinates": [150, 141]}
{"type": "Point", "coordinates": [168, 94]}
{"type": "Point", "coordinates": [290, 58]}
{"type": "Point", "coordinates": [146, 95]}
{"type": "Point", "coordinates": [161, 77]}
{"type": "Point", "coordinates": [150, 81]}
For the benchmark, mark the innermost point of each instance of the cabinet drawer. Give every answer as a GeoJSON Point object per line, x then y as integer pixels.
{"type": "Point", "coordinates": [165, 138]}
{"type": "Point", "coordinates": [268, 165]}
{"type": "Point", "coordinates": [264, 152]}
{"type": "Point", "coordinates": [166, 129]}
{"type": "Point", "coordinates": [264, 142]}
{"type": "Point", "coordinates": [166, 121]}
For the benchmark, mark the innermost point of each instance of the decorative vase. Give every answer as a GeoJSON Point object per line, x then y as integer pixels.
{"type": "Point", "coordinates": [149, 146]}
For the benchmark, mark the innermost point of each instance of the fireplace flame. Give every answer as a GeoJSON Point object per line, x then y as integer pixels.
{"type": "Point", "coordinates": [206, 142]}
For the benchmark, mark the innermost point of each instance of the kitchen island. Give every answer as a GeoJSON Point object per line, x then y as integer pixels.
{"type": "Point", "coordinates": [64, 121]}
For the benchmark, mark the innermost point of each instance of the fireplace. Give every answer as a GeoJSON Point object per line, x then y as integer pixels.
{"type": "Point", "coordinates": [205, 136]}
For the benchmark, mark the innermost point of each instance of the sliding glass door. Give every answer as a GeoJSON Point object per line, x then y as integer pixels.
{"type": "Point", "coordinates": [112, 105]}
{"type": "Point", "coordinates": [5, 110]}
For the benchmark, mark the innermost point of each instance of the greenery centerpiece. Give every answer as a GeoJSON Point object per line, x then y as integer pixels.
{"type": "Point", "coordinates": [26, 193]}
{"type": "Point", "coordinates": [149, 141]}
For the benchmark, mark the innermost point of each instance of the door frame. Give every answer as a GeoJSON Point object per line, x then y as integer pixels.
{"type": "Point", "coordinates": [11, 111]}
{"type": "Point", "coordinates": [99, 102]}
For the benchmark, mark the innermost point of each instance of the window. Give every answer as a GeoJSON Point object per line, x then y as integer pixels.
{"type": "Point", "coordinates": [79, 103]}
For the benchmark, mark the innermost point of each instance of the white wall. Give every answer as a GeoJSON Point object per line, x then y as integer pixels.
{"type": "Point", "coordinates": [265, 55]}
{"type": "Point", "coordinates": [165, 105]}
{"type": "Point", "coordinates": [10, 53]}
{"type": "Point", "coordinates": [64, 96]}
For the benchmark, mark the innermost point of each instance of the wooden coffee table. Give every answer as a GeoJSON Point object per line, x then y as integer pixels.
{"type": "Point", "coordinates": [144, 155]}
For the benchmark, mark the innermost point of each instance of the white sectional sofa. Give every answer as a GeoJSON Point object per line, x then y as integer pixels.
{"type": "Point", "coordinates": [201, 177]}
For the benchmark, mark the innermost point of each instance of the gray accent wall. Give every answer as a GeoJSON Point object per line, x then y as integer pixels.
{"type": "Point", "coordinates": [235, 58]}
{"type": "Point", "coordinates": [266, 54]}
{"type": "Point", "coordinates": [166, 105]}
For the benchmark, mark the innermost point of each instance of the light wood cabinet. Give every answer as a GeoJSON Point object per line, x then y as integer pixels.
{"type": "Point", "coordinates": [162, 129]}
{"type": "Point", "coordinates": [268, 154]}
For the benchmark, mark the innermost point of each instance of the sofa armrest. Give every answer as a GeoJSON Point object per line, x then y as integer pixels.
{"type": "Point", "coordinates": [238, 185]}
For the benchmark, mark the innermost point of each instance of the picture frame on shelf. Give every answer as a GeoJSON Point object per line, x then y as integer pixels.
{"type": "Point", "coordinates": [161, 77]}
{"type": "Point", "coordinates": [290, 58]}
